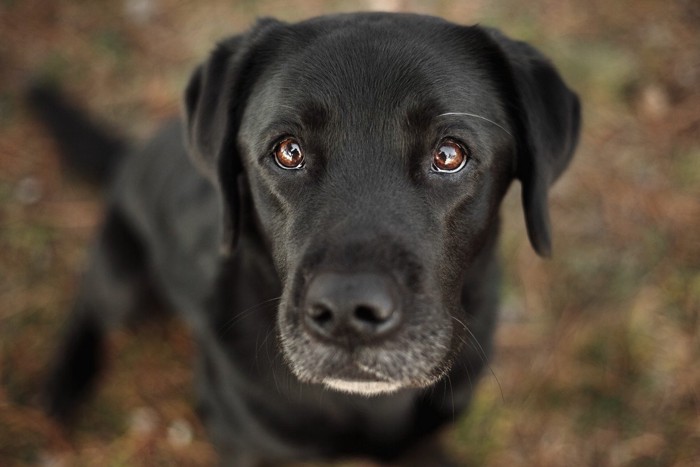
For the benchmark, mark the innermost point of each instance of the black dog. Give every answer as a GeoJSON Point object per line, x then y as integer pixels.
{"type": "Point", "coordinates": [351, 169]}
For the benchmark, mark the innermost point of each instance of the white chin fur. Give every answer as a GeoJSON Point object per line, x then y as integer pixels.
{"type": "Point", "coordinates": [365, 388]}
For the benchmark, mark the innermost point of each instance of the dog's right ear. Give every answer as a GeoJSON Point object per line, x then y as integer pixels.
{"type": "Point", "coordinates": [214, 102]}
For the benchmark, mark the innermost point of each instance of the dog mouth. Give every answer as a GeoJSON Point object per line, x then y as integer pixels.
{"type": "Point", "coordinates": [363, 380]}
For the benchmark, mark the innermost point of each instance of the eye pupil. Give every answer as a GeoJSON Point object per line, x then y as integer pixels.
{"type": "Point", "coordinates": [288, 154]}
{"type": "Point", "coordinates": [449, 157]}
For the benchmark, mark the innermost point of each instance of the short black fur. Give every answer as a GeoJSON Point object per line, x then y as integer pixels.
{"type": "Point", "coordinates": [401, 258]}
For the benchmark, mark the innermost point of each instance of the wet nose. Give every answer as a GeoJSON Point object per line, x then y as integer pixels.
{"type": "Point", "coordinates": [351, 307]}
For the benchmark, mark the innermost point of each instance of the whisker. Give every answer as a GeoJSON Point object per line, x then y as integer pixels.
{"type": "Point", "coordinates": [480, 349]}
{"type": "Point", "coordinates": [469, 375]}
{"type": "Point", "coordinates": [246, 312]}
{"type": "Point", "coordinates": [262, 344]}
{"type": "Point", "coordinates": [477, 116]}
{"type": "Point", "coordinates": [452, 397]}
{"type": "Point", "coordinates": [444, 390]}
{"type": "Point", "coordinates": [483, 356]}
{"type": "Point", "coordinates": [270, 359]}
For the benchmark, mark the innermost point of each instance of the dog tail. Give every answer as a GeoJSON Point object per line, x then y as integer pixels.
{"type": "Point", "coordinates": [85, 146]}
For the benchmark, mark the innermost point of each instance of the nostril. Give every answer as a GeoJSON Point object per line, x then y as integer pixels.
{"type": "Point", "coordinates": [371, 315]}
{"type": "Point", "coordinates": [320, 314]}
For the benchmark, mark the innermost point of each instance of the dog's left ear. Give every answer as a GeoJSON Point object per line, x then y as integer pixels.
{"type": "Point", "coordinates": [214, 100]}
{"type": "Point", "coordinates": [547, 115]}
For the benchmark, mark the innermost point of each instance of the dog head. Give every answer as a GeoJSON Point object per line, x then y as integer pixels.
{"type": "Point", "coordinates": [377, 149]}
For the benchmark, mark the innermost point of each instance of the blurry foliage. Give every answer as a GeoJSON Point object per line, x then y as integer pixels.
{"type": "Point", "coordinates": [597, 352]}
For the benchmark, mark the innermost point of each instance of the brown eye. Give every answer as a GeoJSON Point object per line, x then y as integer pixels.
{"type": "Point", "coordinates": [449, 157]}
{"type": "Point", "coordinates": [288, 154]}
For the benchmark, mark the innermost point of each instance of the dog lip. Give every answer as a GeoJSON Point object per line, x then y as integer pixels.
{"type": "Point", "coordinates": [357, 372]}
{"type": "Point", "coordinates": [364, 388]}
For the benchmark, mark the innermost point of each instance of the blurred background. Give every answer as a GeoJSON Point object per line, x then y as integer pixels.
{"type": "Point", "coordinates": [598, 351]}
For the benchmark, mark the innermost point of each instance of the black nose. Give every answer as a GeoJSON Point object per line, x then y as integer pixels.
{"type": "Point", "coordinates": [351, 307]}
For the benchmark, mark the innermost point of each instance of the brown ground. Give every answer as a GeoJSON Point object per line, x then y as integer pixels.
{"type": "Point", "coordinates": [598, 349]}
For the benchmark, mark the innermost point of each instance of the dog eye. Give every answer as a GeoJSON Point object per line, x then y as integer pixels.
{"type": "Point", "coordinates": [288, 154]}
{"type": "Point", "coordinates": [449, 157]}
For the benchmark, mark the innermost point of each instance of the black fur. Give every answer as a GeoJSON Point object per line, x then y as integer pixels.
{"type": "Point", "coordinates": [366, 270]}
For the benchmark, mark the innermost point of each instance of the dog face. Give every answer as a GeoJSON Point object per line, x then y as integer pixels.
{"type": "Point", "coordinates": [377, 149]}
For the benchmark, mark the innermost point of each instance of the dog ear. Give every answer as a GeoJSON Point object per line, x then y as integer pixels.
{"type": "Point", "coordinates": [547, 117]}
{"type": "Point", "coordinates": [214, 101]}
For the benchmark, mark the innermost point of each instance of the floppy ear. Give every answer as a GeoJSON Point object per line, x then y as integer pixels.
{"type": "Point", "coordinates": [548, 116]}
{"type": "Point", "coordinates": [214, 101]}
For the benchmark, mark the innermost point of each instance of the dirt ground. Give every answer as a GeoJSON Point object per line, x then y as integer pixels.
{"type": "Point", "coordinates": [598, 348]}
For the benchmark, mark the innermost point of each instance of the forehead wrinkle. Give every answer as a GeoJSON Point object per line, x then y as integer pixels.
{"type": "Point", "coordinates": [288, 117]}
{"type": "Point", "coordinates": [345, 71]}
{"type": "Point", "coordinates": [314, 115]}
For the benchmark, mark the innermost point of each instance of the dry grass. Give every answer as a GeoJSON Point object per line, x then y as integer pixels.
{"type": "Point", "coordinates": [598, 348]}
